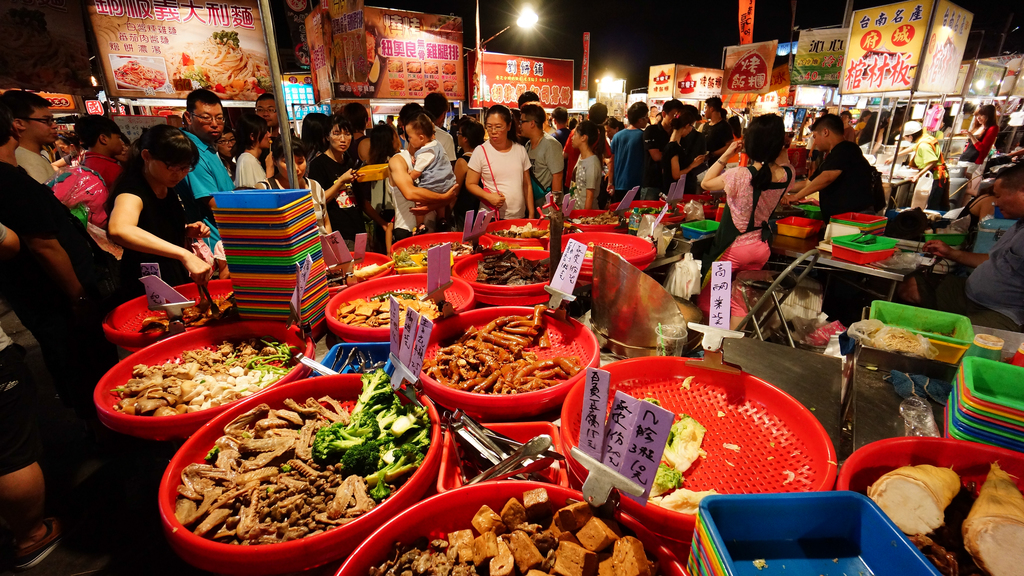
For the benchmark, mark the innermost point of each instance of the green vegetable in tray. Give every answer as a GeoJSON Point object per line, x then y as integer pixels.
{"type": "Point", "coordinates": [211, 456]}
{"type": "Point", "coordinates": [666, 480]}
{"type": "Point", "coordinates": [683, 446]}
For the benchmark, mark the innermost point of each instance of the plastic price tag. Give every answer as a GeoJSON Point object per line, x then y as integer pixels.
{"type": "Point", "coordinates": [627, 200]}
{"type": "Point", "coordinates": [645, 445]}
{"type": "Point", "coordinates": [618, 429]}
{"type": "Point", "coordinates": [150, 269]}
{"type": "Point", "coordinates": [360, 250]}
{"type": "Point", "coordinates": [592, 418]}
{"type": "Point", "coordinates": [439, 268]}
{"type": "Point", "coordinates": [568, 269]}
{"type": "Point", "coordinates": [159, 293]}
{"type": "Point", "coordinates": [721, 295]}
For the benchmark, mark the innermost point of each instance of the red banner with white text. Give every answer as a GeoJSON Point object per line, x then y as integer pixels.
{"type": "Point", "coordinates": [504, 77]}
{"type": "Point", "coordinates": [586, 61]}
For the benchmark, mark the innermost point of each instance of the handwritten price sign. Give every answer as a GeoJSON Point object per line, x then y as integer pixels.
{"type": "Point", "coordinates": [721, 295]}
{"type": "Point", "coordinates": [568, 270]}
{"type": "Point", "coordinates": [595, 403]}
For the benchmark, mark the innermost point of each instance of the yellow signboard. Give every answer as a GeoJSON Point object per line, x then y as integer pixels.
{"type": "Point", "coordinates": [659, 82]}
{"type": "Point", "coordinates": [885, 45]}
{"type": "Point", "coordinates": [951, 25]}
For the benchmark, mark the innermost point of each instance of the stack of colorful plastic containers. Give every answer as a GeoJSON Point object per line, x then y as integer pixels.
{"type": "Point", "coordinates": [266, 233]}
{"type": "Point", "coordinates": [864, 222]}
{"type": "Point", "coordinates": [987, 404]}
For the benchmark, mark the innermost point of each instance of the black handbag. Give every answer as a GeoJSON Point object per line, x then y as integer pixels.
{"type": "Point", "coordinates": [970, 153]}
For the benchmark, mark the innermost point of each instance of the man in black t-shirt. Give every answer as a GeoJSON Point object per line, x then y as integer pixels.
{"type": "Point", "coordinates": [51, 282]}
{"type": "Point", "coordinates": [656, 137]}
{"type": "Point", "coordinates": [844, 177]}
{"type": "Point", "coordinates": [718, 134]}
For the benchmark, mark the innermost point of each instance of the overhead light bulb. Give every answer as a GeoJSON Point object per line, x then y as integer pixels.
{"type": "Point", "coordinates": [527, 18]}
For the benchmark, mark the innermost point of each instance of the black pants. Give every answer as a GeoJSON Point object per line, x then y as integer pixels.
{"type": "Point", "coordinates": [400, 234]}
{"type": "Point", "coordinates": [20, 444]}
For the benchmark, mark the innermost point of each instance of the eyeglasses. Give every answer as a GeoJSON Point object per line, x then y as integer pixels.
{"type": "Point", "coordinates": [179, 169]}
{"type": "Point", "coordinates": [496, 127]}
{"type": "Point", "coordinates": [49, 120]}
{"type": "Point", "coordinates": [266, 110]}
{"type": "Point", "coordinates": [226, 141]}
{"type": "Point", "coordinates": [207, 119]}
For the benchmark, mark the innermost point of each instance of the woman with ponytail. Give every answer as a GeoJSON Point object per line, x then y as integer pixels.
{"type": "Point", "coordinates": [751, 193]}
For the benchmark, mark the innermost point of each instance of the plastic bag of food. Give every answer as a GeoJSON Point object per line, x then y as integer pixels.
{"type": "Point", "coordinates": [865, 330]}
{"type": "Point", "coordinates": [684, 277]}
{"type": "Point", "coordinates": [647, 228]}
{"type": "Point", "coordinates": [693, 210]}
{"type": "Point", "coordinates": [902, 341]}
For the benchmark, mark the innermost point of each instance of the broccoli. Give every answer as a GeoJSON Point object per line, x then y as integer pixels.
{"type": "Point", "coordinates": [332, 441]}
{"type": "Point", "coordinates": [665, 480]}
{"type": "Point", "coordinates": [211, 456]}
{"type": "Point", "coordinates": [406, 458]}
{"type": "Point", "coordinates": [377, 394]}
{"type": "Point", "coordinates": [683, 446]}
{"type": "Point", "coordinates": [362, 459]}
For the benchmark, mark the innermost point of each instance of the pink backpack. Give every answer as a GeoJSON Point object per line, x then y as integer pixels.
{"type": "Point", "coordinates": [81, 188]}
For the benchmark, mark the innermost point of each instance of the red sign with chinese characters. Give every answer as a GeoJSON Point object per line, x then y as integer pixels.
{"type": "Point", "coordinates": [748, 68]}
{"type": "Point", "coordinates": [746, 20]}
{"type": "Point", "coordinates": [505, 77]}
{"type": "Point", "coordinates": [94, 107]}
{"type": "Point", "coordinates": [586, 61]}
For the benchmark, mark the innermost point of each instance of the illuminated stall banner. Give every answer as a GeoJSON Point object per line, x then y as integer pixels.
{"type": "Point", "coordinates": [819, 57]}
{"type": "Point", "coordinates": [748, 68]}
{"type": "Point", "coordinates": [884, 49]}
{"type": "Point", "coordinates": [507, 76]}
{"type": "Point", "coordinates": [951, 25]}
{"type": "Point", "coordinates": [697, 83]}
{"type": "Point", "coordinates": [659, 84]}
{"type": "Point", "coordinates": [167, 48]}
{"type": "Point", "coordinates": [43, 47]}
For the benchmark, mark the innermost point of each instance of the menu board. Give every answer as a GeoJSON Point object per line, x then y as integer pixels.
{"type": "Point", "coordinates": [819, 57]}
{"type": "Point", "coordinates": [884, 49]}
{"type": "Point", "coordinates": [697, 83]}
{"type": "Point", "coordinates": [318, 41]}
{"type": "Point", "coordinates": [506, 76]}
{"type": "Point", "coordinates": [951, 25]}
{"type": "Point", "coordinates": [748, 68]}
{"type": "Point", "coordinates": [167, 48]}
{"type": "Point", "coordinates": [399, 54]}
{"type": "Point", "coordinates": [659, 83]}
{"type": "Point", "coordinates": [615, 101]}
{"type": "Point", "coordinates": [43, 47]}
{"type": "Point", "coordinates": [133, 126]}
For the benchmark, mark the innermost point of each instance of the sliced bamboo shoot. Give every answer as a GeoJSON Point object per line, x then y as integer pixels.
{"type": "Point", "coordinates": [994, 530]}
{"type": "Point", "coordinates": [915, 497]}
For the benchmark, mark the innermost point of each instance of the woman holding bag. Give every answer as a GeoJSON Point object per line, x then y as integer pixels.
{"type": "Point", "coordinates": [499, 170]}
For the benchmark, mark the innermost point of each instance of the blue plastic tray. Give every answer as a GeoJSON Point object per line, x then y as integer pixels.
{"type": "Point", "coordinates": [336, 356]}
{"type": "Point", "coordinates": [814, 533]}
{"type": "Point", "coordinates": [962, 430]}
{"type": "Point", "coordinates": [257, 199]}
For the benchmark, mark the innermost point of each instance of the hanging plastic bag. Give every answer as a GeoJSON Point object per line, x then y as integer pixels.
{"type": "Point", "coordinates": [647, 228]}
{"type": "Point", "coordinates": [693, 210]}
{"type": "Point", "coordinates": [922, 191]}
{"type": "Point", "coordinates": [933, 118]}
{"type": "Point", "coordinates": [684, 278]}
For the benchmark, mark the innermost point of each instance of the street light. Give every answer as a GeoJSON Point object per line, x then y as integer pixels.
{"type": "Point", "coordinates": [527, 18]}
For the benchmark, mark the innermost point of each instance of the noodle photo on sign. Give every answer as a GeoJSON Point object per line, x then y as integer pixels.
{"type": "Point", "coordinates": [139, 73]}
{"type": "Point", "coordinates": [220, 64]}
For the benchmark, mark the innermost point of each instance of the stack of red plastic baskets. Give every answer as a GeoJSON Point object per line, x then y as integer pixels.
{"type": "Point", "coordinates": [501, 295]}
{"type": "Point", "coordinates": [639, 252]}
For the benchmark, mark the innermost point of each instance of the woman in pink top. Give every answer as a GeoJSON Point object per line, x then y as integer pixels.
{"type": "Point", "coordinates": [751, 194]}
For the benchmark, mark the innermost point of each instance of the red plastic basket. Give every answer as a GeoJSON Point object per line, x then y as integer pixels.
{"type": "Point", "coordinates": [843, 253]}
{"type": "Point", "coordinates": [449, 478]}
{"type": "Point", "coordinates": [659, 204]}
{"type": "Point", "coordinates": [542, 223]}
{"type": "Point", "coordinates": [594, 227]}
{"type": "Point", "coordinates": [503, 295]}
{"type": "Point", "coordinates": [968, 459]}
{"type": "Point", "coordinates": [122, 324]}
{"type": "Point", "coordinates": [425, 240]}
{"type": "Point", "coordinates": [438, 515]}
{"type": "Point", "coordinates": [460, 294]}
{"type": "Point", "coordinates": [755, 415]}
{"type": "Point", "coordinates": [369, 259]}
{"type": "Point", "coordinates": [304, 553]}
{"type": "Point", "coordinates": [567, 339]}
{"type": "Point", "coordinates": [182, 425]}
{"type": "Point", "coordinates": [637, 251]}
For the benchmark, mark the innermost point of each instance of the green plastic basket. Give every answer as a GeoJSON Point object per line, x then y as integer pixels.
{"type": "Point", "coordinates": [995, 382]}
{"type": "Point", "coordinates": [949, 239]}
{"type": "Point", "coordinates": [865, 242]}
{"type": "Point", "coordinates": [811, 211]}
{"type": "Point", "coordinates": [952, 334]}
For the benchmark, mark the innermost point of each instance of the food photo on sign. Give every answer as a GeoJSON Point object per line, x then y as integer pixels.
{"type": "Point", "coordinates": [171, 49]}
{"type": "Point", "coordinates": [748, 68]}
{"type": "Point", "coordinates": [884, 49]}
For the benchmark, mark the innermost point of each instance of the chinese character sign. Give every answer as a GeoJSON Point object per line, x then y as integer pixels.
{"type": "Point", "coordinates": [47, 50]}
{"type": "Point", "coordinates": [405, 54]}
{"type": "Point", "coordinates": [318, 38]}
{"type": "Point", "coordinates": [167, 48]}
{"type": "Point", "coordinates": [592, 417]}
{"type": "Point", "coordinates": [746, 21]}
{"type": "Point", "coordinates": [720, 311]}
{"type": "Point", "coordinates": [819, 57]}
{"type": "Point", "coordinates": [945, 49]}
{"type": "Point", "coordinates": [507, 76]}
{"type": "Point", "coordinates": [659, 84]}
{"type": "Point", "coordinates": [619, 428]}
{"type": "Point", "coordinates": [748, 68]}
{"type": "Point", "coordinates": [645, 446]}
{"type": "Point", "coordinates": [696, 83]}
{"type": "Point", "coordinates": [884, 48]}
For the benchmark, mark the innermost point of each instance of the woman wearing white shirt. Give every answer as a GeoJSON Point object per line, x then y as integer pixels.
{"type": "Point", "coordinates": [499, 170]}
{"type": "Point", "coordinates": [252, 139]}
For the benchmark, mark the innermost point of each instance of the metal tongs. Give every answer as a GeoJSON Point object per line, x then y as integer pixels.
{"type": "Point", "coordinates": [504, 457]}
{"type": "Point", "coordinates": [206, 301]}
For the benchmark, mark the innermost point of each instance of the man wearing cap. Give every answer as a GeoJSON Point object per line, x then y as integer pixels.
{"type": "Point", "coordinates": [925, 157]}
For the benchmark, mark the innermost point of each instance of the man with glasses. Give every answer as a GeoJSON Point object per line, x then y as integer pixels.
{"type": "Point", "coordinates": [545, 153]}
{"type": "Point", "coordinates": [204, 124]}
{"type": "Point", "coordinates": [36, 128]}
{"type": "Point", "coordinates": [266, 108]}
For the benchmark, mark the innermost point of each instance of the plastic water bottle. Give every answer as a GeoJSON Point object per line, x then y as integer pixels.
{"type": "Point", "coordinates": [918, 419]}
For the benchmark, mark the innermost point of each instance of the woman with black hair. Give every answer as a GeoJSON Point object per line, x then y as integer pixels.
{"type": "Point", "coordinates": [316, 127]}
{"type": "Point", "coordinates": [751, 193]}
{"type": "Point", "coordinates": [980, 139]}
{"type": "Point", "coordinates": [471, 135]}
{"type": "Point", "coordinates": [499, 170]}
{"type": "Point", "coordinates": [146, 216]}
{"type": "Point", "coordinates": [252, 140]}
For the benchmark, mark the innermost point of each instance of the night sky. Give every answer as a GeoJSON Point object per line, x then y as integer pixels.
{"type": "Point", "coordinates": [630, 36]}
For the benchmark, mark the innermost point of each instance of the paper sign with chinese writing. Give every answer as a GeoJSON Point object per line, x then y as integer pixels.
{"type": "Point", "coordinates": [592, 417]}
{"type": "Point", "coordinates": [360, 250]}
{"type": "Point", "coordinates": [302, 271]}
{"type": "Point", "coordinates": [746, 21]}
{"type": "Point", "coordinates": [334, 249]}
{"type": "Point", "coordinates": [620, 424]}
{"type": "Point", "coordinates": [504, 77]}
{"type": "Point", "coordinates": [166, 49]}
{"type": "Point", "coordinates": [419, 347]}
{"type": "Point", "coordinates": [627, 199]}
{"type": "Point", "coordinates": [318, 38]}
{"type": "Point", "coordinates": [395, 311]}
{"type": "Point", "coordinates": [659, 83]}
{"type": "Point", "coordinates": [569, 267]}
{"type": "Point", "coordinates": [133, 126]}
{"type": "Point", "coordinates": [158, 292]}
{"type": "Point", "coordinates": [45, 50]}
{"type": "Point", "coordinates": [884, 49]}
{"type": "Point", "coordinates": [721, 295]}
{"type": "Point", "coordinates": [697, 83]}
{"type": "Point", "coordinates": [951, 25]}
{"type": "Point", "coordinates": [748, 68]}
{"type": "Point", "coordinates": [412, 319]}
{"type": "Point", "coordinates": [439, 266]}
{"type": "Point", "coordinates": [645, 445]}
{"type": "Point", "coordinates": [819, 57]}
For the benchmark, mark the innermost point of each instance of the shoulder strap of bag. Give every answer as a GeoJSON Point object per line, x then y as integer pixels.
{"type": "Point", "coordinates": [491, 170]}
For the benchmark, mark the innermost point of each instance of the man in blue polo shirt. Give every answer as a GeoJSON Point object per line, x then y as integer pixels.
{"type": "Point", "coordinates": [204, 124]}
{"type": "Point", "coordinates": [626, 168]}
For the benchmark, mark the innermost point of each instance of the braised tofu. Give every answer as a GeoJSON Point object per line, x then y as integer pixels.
{"type": "Point", "coordinates": [524, 551]}
{"type": "Point", "coordinates": [537, 504]}
{"type": "Point", "coordinates": [575, 560]}
{"type": "Point", "coordinates": [574, 516]}
{"type": "Point", "coordinates": [568, 537]}
{"type": "Point", "coordinates": [536, 573]}
{"type": "Point", "coordinates": [513, 514]}
{"type": "Point", "coordinates": [487, 520]}
{"type": "Point", "coordinates": [485, 547]}
{"type": "Point", "coordinates": [629, 558]}
{"type": "Point", "coordinates": [461, 541]}
{"type": "Point", "coordinates": [503, 564]}
{"type": "Point", "coordinates": [605, 565]}
{"type": "Point", "coordinates": [596, 535]}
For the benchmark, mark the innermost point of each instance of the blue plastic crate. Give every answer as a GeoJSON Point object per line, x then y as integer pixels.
{"type": "Point", "coordinates": [336, 356]}
{"type": "Point", "coordinates": [257, 199]}
{"type": "Point", "coordinates": [822, 533]}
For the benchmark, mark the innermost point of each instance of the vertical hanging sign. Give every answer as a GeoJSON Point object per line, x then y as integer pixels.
{"type": "Point", "coordinates": [746, 15]}
{"type": "Point", "coordinates": [586, 61]}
